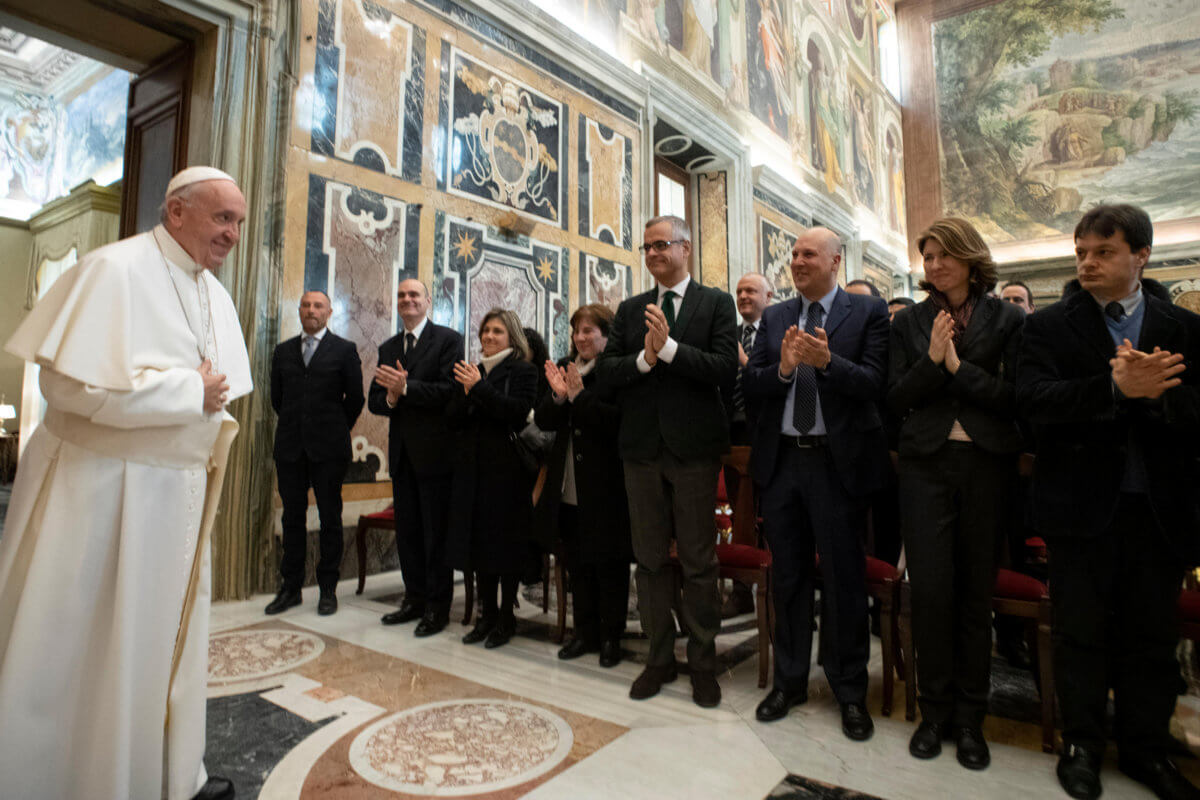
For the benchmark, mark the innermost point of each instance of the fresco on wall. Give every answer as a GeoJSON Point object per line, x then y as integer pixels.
{"type": "Point", "coordinates": [769, 59]}
{"type": "Point", "coordinates": [893, 170]}
{"type": "Point", "coordinates": [506, 141]}
{"type": "Point", "coordinates": [858, 18]}
{"type": "Point", "coordinates": [826, 118]}
{"type": "Point", "coordinates": [862, 142]}
{"type": "Point", "coordinates": [1046, 109]}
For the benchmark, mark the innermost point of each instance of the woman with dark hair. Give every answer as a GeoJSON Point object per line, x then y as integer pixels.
{"type": "Point", "coordinates": [583, 502]}
{"type": "Point", "coordinates": [951, 383]}
{"type": "Point", "coordinates": [491, 509]}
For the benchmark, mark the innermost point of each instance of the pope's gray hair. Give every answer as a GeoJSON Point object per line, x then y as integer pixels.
{"type": "Point", "coordinates": [185, 194]}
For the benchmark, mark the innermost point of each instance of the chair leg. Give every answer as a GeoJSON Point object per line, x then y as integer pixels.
{"type": "Point", "coordinates": [469, 589]}
{"type": "Point", "coordinates": [545, 583]}
{"type": "Point", "coordinates": [764, 628]}
{"type": "Point", "coordinates": [560, 597]}
{"type": "Point", "coordinates": [1046, 670]}
{"type": "Point", "coordinates": [886, 644]}
{"type": "Point", "coordinates": [906, 644]}
{"type": "Point", "coordinates": [360, 548]}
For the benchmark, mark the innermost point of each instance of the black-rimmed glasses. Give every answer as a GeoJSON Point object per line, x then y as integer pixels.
{"type": "Point", "coordinates": [659, 245]}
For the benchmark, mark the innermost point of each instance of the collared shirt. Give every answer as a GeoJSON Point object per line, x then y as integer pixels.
{"type": "Point", "coordinates": [417, 331]}
{"type": "Point", "coordinates": [789, 407]}
{"type": "Point", "coordinates": [667, 353]}
{"type": "Point", "coordinates": [1130, 326]}
{"type": "Point", "coordinates": [319, 335]}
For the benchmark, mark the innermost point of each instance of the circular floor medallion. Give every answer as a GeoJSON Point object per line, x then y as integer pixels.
{"type": "Point", "coordinates": [461, 747]}
{"type": "Point", "coordinates": [249, 655]}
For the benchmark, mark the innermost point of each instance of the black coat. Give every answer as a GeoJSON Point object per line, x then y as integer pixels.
{"type": "Point", "coordinates": [678, 404]}
{"type": "Point", "coordinates": [318, 404]}
{"type": "Point", "coordinates": [417, 425]}
{"type": "Point", "coordinates": [981, 395]}
{"type": "Point", "coordinates": [1083, 430]}
{"type": "Point", "coordinates": [851, 390]}
{"type": "Point", "coordinates": [491, 508]}
{"type": "Point", "coordinates": [590, 423]}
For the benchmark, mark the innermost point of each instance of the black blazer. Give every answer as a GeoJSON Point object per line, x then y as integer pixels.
{"type": "Point", "coordinates": [851, 390]}
{"type": "Point", "coordinates": [678, 404]}
{"type": "Point", "coordinates": [981, 395]}
{"type": "Point", "coordinates": [318, 404]}
{"type": "Point", "coordinates": [1083, 431]}
{"type": "Point", "coordinates": [491, 507]}
{"type": "Point", "coordinates": [417, 425]}
{"type": "Point", "coordinates": [590, 423]}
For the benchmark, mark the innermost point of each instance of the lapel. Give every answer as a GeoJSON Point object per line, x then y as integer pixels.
{"type": "Point", "coordinates": [323, 346]}
{"type": "Point", "coordinates": [423, 344]}
{"type": "Point", "coordinates": [687, 309]}
{"type": "Point", "coordinates": [1084, 316]}
{"type": "Point", "coordinates": [923, 315]}
{"type": "Point", "coordinates": [295, 350]}
{"type": "Point", "coordinates": [790, 311]}
{"type": "Point", "coordinates": [981, 319]}
{"type": "Point", "coordinates": [1158, 327]}
{"type": "Point", "coordinates": [839, 311]}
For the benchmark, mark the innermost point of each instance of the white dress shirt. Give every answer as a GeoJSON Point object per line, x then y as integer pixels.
{"type": "Point", "coordinates": [667, 353]}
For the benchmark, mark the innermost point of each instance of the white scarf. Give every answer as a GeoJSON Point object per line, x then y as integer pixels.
{"type": "Point", "coordinates": [488, 362]}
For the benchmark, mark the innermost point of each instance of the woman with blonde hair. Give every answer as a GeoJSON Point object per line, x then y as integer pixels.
{"type": "Point", "coordinates": [491, 508]}
{"type": "Point", "coordinates": [951, 382]}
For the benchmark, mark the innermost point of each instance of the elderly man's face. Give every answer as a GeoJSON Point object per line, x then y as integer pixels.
{"type": "Point", "coordinates": [752, 297]}
{"type": "Point", "coordinates": [208, 223]}
{"type": "Point", "coordinates": [314, 311]}
{"type": "Point", "coordinates": [816, 258]}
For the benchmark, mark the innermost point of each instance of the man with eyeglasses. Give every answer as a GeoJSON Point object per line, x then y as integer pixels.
{"type": "Point", "coordinates": [670, 350]}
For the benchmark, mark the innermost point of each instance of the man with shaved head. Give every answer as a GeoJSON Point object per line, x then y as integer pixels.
{"type": "Point", "coordinates": [104, 563]}
{"type": "Point", "coordinates": [317, 391]}
{"type": "Point", "coordinates": [818, 372]}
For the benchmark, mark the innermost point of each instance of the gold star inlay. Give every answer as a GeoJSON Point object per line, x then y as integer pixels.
{"type": "Point", "coordinates": [545, 269]}
{"type": "Point", "coordinates": [465, 247]}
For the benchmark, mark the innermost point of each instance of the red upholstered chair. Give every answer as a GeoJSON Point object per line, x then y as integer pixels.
{"type": "Point", "coordinates": [1189, 614]}
{"type": "Point", "coordinates": [386, 520]}
{"type": "Point", "coordinates": [1016, 595]}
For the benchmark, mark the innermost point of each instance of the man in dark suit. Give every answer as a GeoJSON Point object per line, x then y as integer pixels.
{"type": "Point", "coordinates": [669, 352]}
{"type": "Point", "coordinates": [317, 391]}
{"type": "Point", "coordinates": [818, 370]}
{"type": "Point", "coordinates": [413, 383]}
{"type": "Point", "coordinates": [1108, 379]}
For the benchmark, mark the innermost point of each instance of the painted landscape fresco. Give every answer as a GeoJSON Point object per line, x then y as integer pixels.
{"type": "Point", "coordinates": [1048, 107]}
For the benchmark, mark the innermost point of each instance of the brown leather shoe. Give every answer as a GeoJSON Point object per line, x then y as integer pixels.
{"type": "Point", "coordinates": [706, 692]}
{"type": "Point", "coordinates": [651, 680]}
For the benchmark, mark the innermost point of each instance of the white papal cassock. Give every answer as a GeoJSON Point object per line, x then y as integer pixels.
{"type": "Point", "coordinates": [104, 560]}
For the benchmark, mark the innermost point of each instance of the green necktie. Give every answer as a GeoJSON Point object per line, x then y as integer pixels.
{"type": "Point", "coordinates": [668, 307]}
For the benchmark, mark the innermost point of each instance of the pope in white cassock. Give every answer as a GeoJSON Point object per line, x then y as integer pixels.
{"type": "Point", "coordinates": [104, 560]}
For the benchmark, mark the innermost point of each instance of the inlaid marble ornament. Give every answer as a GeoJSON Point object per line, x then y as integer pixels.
{"type": "Point", "coordinates": [461, 747]}
{"type": "Point", "coordinates": [775, 257]}
{"type": "Point", "coordinates": [253, 654]}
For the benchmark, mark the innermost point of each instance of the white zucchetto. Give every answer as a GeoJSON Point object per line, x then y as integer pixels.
{"type": "Point", "coordinates": [197, 175]}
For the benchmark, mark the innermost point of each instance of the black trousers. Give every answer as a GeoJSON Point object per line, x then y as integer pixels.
{"type": "Point", "coordinates": [672, 497]}
{"type": "Point", "coordinates": [807, 512]}
{"type": "Point", "coordinates": [599, 588]}
{"type": "Point", "coordinates": [325, 478]}
{"type": "Point", "coordinates": [954, 508]}
{"type": "Point", "coordinates": [422, 507]}
{"type": "Point", "coordinates": [1116, 624]}
{"type": "Point", "coordinates": [489, 610]}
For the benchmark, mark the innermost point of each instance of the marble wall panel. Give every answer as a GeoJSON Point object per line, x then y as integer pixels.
{"type": "Point", "coordinates": [605, 184]}
{"type": "Point", "coordinates": [603, 281]}
{"type": "Point", "coordinates": [506, 141]}
{"type": "Point", "coordinates": [476, 267]}
{"type": "Point", "coordinates": [361, 244]}
{"type": "Point", "coordinates": [714, 229]}
{"type": "Point", "coordinates": [775, 257]}
{"type": "Point", "coordinates": [369, 86]}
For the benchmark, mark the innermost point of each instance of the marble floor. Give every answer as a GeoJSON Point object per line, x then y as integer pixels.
{"type": "Point", "coordinates": [344, 707]}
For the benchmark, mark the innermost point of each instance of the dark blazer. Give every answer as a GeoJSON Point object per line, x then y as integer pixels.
{"type": "Point", "coordinates": [417, 425]}
{"type": "Point", "coordinates": [851, 390]}
{"type": "Point", "coordinates": [491, 507]}
{"type": "Point", "coordinates": [1083, 430]}
{"type": "Point", "coordinates": [318, 404]}
{"type": "Point", "coordinates": [678, 404]}
{"type": "Point", "coordinates": [590, 423]}
{"type": "Point", "coordinates": [981, 395]}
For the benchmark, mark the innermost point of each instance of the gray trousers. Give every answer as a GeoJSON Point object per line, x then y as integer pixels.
{"type": "Point", "coordinates": [672, 498]}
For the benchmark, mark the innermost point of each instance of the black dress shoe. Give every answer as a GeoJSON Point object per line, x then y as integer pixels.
{"type": "Point", "coordinates": [282, 602]}
{"type": "Point", "coordinates": [575, 647]}
{"type": "Point", "coordinates": [706, 692]}
{"type": "Point", "coordinates": [501, 633]}
{"type": "Point", "coordinates": [610, 652]}
{"type": "Point", "coordinates": [1079, 773]}
{"type": "Point", "coordinates": [927, 741]}
{"type": "Point", "coordinates": [740, 601]}
{"type": "Point", "coordinates": [407, 612]}
{"type": "Point", "coordinates": [431, 623]}
{"type": "Point", "coordinates": [856, 722]}
{"type": "Point", "coordinates": [972, 749]}
{"type": "Point", "coordinates": [327, 604]}
{"type": "Point", "coordinates": [651, 681]}
{"type": "Point", "coordinates": [1161, 776]}
{"type": "Point", "coordinates": [483, 626]}
{"type": "Point", "coordinates": [1016, 653]}
{"type": "Point", "coordinates": [216, 789]}
{"type": "Point", "coordinates": [776, 704]}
